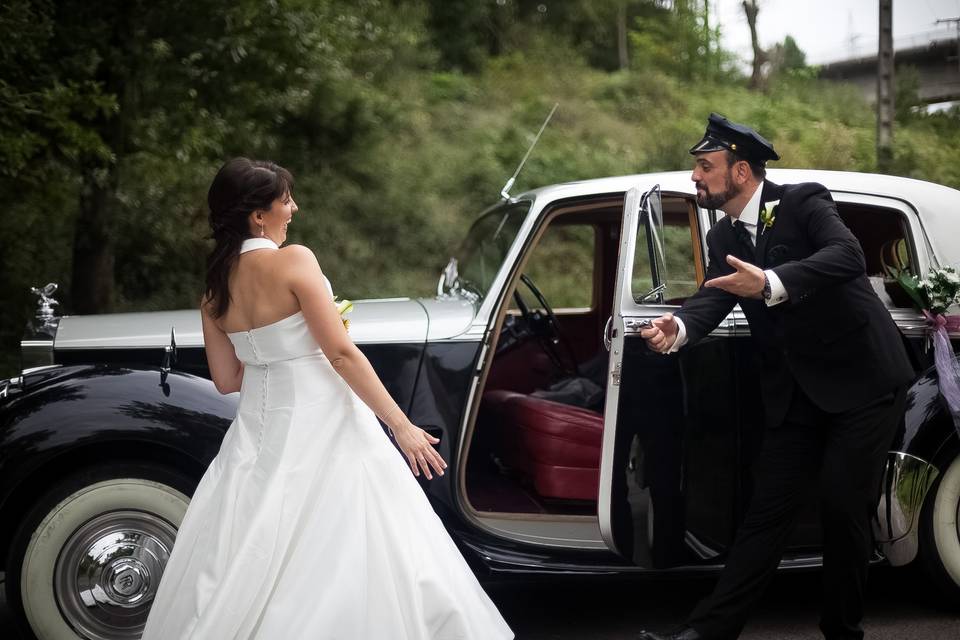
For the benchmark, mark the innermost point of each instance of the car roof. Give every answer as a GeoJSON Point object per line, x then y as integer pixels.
{"type": "Point", "coordinates": [938, 205]}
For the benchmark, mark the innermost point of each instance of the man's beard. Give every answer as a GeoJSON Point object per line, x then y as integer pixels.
{"type": "Point", "coordinates": [717, 200]}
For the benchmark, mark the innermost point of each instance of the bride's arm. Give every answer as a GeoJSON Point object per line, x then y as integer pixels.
{"type": "Point", "coordinates": [307, 283]}
{"type": "Point", "coordinates": [225, 369]}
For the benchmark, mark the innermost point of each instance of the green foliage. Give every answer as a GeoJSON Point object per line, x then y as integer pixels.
{"type": "Point", "coordinates": [906, 93]}
{"type": "Point", "coordinates": [679, 41]}
{"type": "Point", "coordinates": [396, 146]}
{"type": "Point", "coordinates": [462, 32]}
{"type": "Point", "coordinates": [793, 56]}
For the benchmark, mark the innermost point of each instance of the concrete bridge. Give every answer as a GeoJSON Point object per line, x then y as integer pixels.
{"type": "Point", "coordinates": [936, 62]}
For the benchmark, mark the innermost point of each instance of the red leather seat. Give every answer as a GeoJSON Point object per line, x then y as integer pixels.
{"type": "Point", "coordinates": [556, 445]}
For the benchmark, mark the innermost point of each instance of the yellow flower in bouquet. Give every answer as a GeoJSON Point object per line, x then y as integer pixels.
{"type": "Point", "coordinates": [344, 307]}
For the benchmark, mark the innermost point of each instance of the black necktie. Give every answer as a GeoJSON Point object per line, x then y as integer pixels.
{"type": "Point", "coordinates": [744, 237]}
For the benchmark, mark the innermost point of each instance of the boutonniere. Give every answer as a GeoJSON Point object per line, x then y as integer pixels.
{"type": "Point", "coordinates": [344, 307]}
{"type": "Point", "coordinates": [768, 215]}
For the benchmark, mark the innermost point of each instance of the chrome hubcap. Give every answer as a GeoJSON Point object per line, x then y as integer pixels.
{"type": "Point", "coordinates": [108, 572]}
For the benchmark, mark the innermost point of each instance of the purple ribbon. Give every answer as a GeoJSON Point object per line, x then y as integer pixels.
{"type": "Point", "coordinates": [948, 370]}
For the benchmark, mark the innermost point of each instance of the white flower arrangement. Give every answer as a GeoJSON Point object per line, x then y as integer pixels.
{"type": "Point", "coordinates": [936, 292]}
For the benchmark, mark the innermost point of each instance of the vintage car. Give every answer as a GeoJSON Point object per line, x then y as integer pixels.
{"type": "Point", "coordinates": [573, 448]}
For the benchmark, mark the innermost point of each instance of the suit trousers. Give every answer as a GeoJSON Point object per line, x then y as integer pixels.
{"type": "Point", "coordinates": [845, 454]}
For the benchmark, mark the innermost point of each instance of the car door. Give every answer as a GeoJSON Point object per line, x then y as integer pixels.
{"type": "Point", "coordinates": [669, 478]}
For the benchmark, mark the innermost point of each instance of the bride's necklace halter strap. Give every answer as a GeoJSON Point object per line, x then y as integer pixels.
{"type": "Point", "coordinates": [251, 244]}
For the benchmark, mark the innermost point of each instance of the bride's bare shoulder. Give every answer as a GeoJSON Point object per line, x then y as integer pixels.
{"type": "Point", "coordinates": [297, 253]}
{"type": "Point", "coordinates": [297, 258]}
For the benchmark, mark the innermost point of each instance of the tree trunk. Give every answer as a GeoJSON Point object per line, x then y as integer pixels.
{"type": "Point", "coordinates": [622, 34]}
{"type": "Point", "coordinates": [751, 8]}
{"type": "Point", "coordinates": [92, 284]}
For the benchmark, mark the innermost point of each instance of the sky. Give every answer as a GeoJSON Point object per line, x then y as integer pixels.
{"type": "Point", "coordinates": [830, 30]}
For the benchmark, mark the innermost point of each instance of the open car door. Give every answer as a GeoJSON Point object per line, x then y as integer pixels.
{"type": "Point", "coordinates": [674, 448]}
{"type": "Point", "coordinates": [640, 242]}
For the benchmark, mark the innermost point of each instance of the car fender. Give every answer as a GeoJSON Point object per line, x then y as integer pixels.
{"type": "Point", "coordinates": [68, 417]}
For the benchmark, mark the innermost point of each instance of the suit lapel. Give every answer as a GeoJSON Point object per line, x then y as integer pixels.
{"type": "Point", "coordinates": [770, 193]}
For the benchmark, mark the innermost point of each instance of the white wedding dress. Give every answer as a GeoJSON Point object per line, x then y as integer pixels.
{"type": "Point", "coordinates": [308, 524]}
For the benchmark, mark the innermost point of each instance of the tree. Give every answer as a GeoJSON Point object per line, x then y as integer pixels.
{"type": "Point", "coordinates": [760, 55]}
{"type": "Point", "coordinates": [787, 58]}
{"type": "Point", "coordinates": [677, 38]}
{"type": "Point", "coordinates": [107, 87]}
{"type": "Point", "coordinates": [463, 32]}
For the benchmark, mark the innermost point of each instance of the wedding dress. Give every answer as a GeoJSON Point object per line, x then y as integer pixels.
{"type": "Point", "coordinates": [309, 524]}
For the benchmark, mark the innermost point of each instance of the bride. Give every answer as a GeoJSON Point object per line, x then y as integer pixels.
{"type": "Point", "coordinates": [307, 524]}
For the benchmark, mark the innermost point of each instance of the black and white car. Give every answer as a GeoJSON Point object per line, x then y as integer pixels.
{"type": "Point", "coordinates": [573, 449]}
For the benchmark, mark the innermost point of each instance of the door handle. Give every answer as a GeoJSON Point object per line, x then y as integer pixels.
{"type": "Point", "coordinates": [608, 333]}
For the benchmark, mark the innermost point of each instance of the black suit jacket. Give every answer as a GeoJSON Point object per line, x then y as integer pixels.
{"type": "Point", "coordinates": [833, 336]}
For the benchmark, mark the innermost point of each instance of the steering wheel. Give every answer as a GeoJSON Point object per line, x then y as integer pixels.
{"type": "Point", "coordinates": [546, 327]}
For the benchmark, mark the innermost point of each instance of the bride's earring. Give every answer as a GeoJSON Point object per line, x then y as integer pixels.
{"type": "Point", "coordinates": [261, 230]}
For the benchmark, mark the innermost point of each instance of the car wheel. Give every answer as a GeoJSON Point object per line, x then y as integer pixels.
{"type": "Point", "coordinates": [87, 559]}
{"type": "Point", "coordinates": [940, 532]}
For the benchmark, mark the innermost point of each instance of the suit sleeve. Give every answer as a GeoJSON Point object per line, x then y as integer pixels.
{"type": "Point", "coordinates": [837, 255]}
{"type": "Point", "coordinates": [704, 310]}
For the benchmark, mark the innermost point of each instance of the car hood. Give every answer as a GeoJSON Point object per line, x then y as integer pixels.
{"type": "Point", "coordinates": [371, 321]}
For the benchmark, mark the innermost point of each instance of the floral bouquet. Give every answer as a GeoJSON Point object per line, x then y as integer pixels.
{"type": "Point", "coordinates": [344, 307]}
{"type": "Point", "coordinates": [934, 295]}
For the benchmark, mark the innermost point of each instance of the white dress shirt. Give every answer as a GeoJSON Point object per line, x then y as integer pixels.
{"type": "Point", "coordinates": [750, 217]}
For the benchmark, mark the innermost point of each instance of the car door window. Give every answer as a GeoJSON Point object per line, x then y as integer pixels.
{"type": "Point", "coordinates": [682, 254]}
{"type": "Point", "coordinates": [562, 266]}
{"type": "Point", "coordinates": [884, 236]}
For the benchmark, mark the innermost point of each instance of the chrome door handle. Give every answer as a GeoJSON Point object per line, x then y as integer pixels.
{"type": "Point", "coordinates": [608, 333]}
{"type": "Point", "coordinates": [637, 325]}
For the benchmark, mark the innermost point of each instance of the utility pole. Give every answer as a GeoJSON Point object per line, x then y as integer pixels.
{"type": "Point", "coordinates": [885, 88]}
{"type": "Point", "coordinates": [956, 21]}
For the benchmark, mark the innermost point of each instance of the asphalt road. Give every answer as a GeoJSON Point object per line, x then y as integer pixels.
{"type": "Point", "coordinates": [901, 606]}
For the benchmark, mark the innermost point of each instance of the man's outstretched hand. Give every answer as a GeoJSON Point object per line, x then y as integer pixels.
{"type": "Point", "coordinates": [661, 335]}
{"type": "Point", "coordinates": [746, 282]}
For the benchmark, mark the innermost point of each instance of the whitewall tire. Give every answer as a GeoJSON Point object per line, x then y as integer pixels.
{"type": "Point", "coordinates": [88, 559]}
{"type": "Point", "coordinates": [940, 542]}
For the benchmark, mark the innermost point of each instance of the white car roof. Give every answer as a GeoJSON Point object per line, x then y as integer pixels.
{"type": "Point", "coordinates": [937, 205]}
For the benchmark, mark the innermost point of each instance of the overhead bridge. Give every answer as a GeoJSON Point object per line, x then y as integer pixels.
{"type": "Point", "coordinates": [936, 63]}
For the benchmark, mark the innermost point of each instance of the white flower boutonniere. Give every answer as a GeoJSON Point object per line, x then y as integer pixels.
{"type": "Point", "coordinates": [768, 215]}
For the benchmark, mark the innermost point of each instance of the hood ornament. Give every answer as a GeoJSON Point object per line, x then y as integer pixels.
{"type": "Point", "coordinates": [45, 320]}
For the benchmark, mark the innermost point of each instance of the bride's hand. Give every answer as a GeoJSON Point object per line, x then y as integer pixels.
{"type": "Point", "coordinates": [416, 444]}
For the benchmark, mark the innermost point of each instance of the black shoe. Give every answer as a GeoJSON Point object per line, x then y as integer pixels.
{"type": "Point", "coordinates": [686, 633]}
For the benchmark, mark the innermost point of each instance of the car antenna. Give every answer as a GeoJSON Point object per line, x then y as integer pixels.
{"type": "Point", "coordinates": [505, 192]}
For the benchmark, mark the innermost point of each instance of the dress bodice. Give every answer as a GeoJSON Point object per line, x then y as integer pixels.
{"type": "Point", "coordinates": [285, 339]}
{"type": "Point", "coordinates": [281, 340]}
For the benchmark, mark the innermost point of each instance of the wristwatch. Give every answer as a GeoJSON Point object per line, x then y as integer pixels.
{"type": "Point", "coordinates": [766, 293]}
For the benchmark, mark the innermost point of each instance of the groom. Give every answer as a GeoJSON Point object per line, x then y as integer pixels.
{"type": "Point", "coordinates": [833, 374]}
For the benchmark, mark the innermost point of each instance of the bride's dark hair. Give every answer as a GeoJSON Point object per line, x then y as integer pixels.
{"type": "Point", "coordinates": [240, 187]}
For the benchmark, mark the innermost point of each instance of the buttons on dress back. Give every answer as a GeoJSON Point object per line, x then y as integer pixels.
{"type": "Point", "coordinates": [263, 388]}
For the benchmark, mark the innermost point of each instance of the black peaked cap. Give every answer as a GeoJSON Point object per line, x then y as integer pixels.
{"type": "Point", "coordinates": [738, 138]}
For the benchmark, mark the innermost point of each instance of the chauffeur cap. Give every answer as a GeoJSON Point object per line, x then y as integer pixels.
{"type": "Point", "coordinates": [740, 139]}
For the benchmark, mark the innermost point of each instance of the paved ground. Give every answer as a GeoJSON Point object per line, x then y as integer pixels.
{"type": "Point", "coordinates": [901, 607]}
